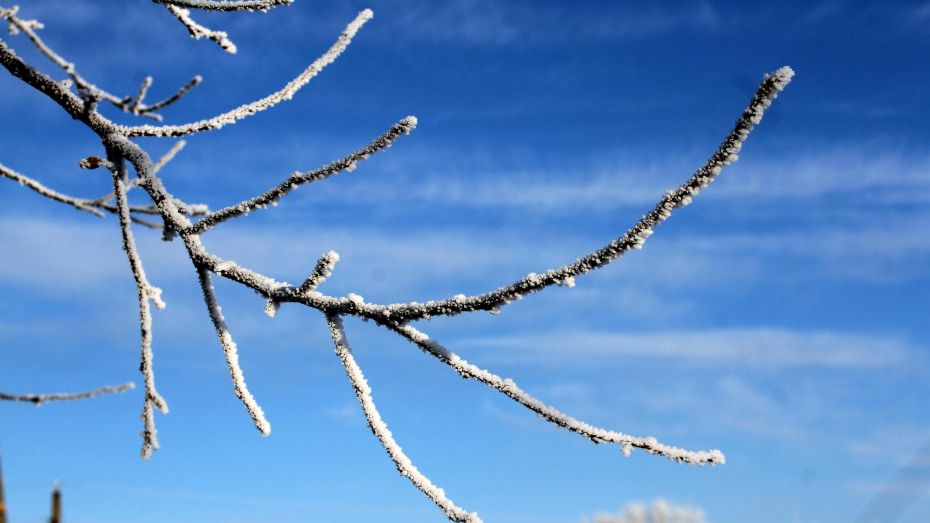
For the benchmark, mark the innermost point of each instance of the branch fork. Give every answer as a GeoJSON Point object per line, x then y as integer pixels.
{"type": "Point", "coordinates": [396, 318]}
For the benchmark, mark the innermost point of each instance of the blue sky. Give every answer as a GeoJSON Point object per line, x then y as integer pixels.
{"type": "Point", "coordinates": [782, 318]}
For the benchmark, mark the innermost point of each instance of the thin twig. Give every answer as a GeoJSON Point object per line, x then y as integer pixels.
{"type": "Point", "coordinates": [244, 111]}
{"type": "Point", "coordinates": [381, 431]}
{"type": "Point", "coordinates": [508, 387]}
{"type": "Point", "coordinates": [39, 399]}
{"type": "Point", "coordinates": [146, 292]}
{"type": "Point", "coordinates": [78, 203]}
{"type": "Point", "coordinates": [227, 5]}
{"type": "Point", "coordinates": [297, 179]}
{"type": "Point", "coordinates": [127, 104]}
{"type": "Point", "coordinates": [232, 354]}
{"type": "Point", "coordinates": [322, 270]}
{"type": "Point", "coordinates": [198, 31]}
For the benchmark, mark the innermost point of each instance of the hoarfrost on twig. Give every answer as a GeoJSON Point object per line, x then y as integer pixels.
{"type": "Point", "coordinates": [395, 317]}
{"type": "Point", "coordinates": [232, 354]}
{"type": "Point", "coordinates": [322, 271]}
{"type": "Point", "coordinates": [198, 31]}
{"type": "Point", "coordinates": [380, 429]}
{"type": "Point", "coordinates": [127, 104]}
{"type": "Point", "coordinates": [244, 111]}
{"type": "Point", "coordinates": [293, 181]}
{"type": "Point", "coordinates": [146, 292]}
{"type": "Point", "coordinates": [227, 5]}
{"type": "Point", "coordinates": [635, 237]}
{"type": "Point", "coordinates": [39, 399]}
{"type": "Point", "coordinates": [551, 414]}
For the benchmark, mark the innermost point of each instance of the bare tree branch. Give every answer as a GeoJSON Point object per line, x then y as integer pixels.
{"type": "Point", "coordinates": [146, 293]}
{"type": "Point", "coordinates": [232, 354]}
{"type": "Point", "coordinates": [78, 203]}
{"type": "Point", "coordinates": [198, 31]}
{"type": "Point", "coordinates": [551, 414]}
{"type": "Point", "coordinates": [127, 104]}
{"type": "Point", "coordinates": [381, 431]}
{"type": "Point", "coordinates": [39, 399]}
{"type": "Point", "coordinates": [92, 206]}
{"type": "Point", "coordinates": [176, 214]}
{"type": "Point", "coordinates": [322, 270]}
{"type": "Point", "coordinates": [244, 111]}
{"type": "Point", "coordinates": [227, 5]}
{"type": "Point", "coordinates": [297, 179]}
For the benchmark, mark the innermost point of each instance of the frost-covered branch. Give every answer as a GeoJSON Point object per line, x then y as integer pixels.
{"type": "Point", "coordinates": [156, 167]}
{"type": "Point", "coordinates": [146, 293]}
{"type": "Point", "coordinates": [39, 399]}
{"type": "Point", "coordinates": [198, 31]}
{"type": "Point", "coordinates": [297, 179]}
{"type": "Point", "coordinates": [513, 391]}
{"type": "Point", "coordinates": [244, 111]}
{"type": "Point", "coordinates": [322, 270]}
{"type": "Point", "coordinates": [132, 105]}
{"type": "Point", "coordinates": [95, 207]}
{"type": "Point", "coordinates": [634, 238]}
{"type": "Point", "coordinates": [227, 5]}
{"type": "Point", "coordinates": [175, 214]}
{"type": "Point", "coordinates": [232, 354]}
{"type": "Point", "coordinates": [380, 429]}
{"type": "Point", "coordinates": [80, 204]}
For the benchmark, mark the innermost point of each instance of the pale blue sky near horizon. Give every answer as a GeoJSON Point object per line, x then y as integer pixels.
{"type": "Point", "coordinates": [781, 318]}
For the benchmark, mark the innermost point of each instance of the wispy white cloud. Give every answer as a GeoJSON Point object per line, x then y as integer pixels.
{"type": "Point", "coordinates": [486, 22]}
{"type": "Point", "coordinates": [659, 511]}
{"type": "Point", "coordinates": [621, 179]}
{"type": "Point", "coordinates": [733, 347]}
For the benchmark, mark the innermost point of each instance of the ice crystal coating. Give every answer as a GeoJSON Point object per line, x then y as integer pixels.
{"type": "Point", "coordinates": [176, 218]}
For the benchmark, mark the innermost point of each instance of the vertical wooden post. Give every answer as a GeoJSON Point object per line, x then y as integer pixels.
{"type": "Point", "coordinates": [2, 500]}
{"type": "Point", "coordinates": [56, 504]}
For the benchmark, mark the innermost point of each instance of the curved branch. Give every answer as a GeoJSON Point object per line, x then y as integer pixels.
{"type": "Point", "coordinates": [634, 238]}
{"type": "Point", "coordinates": [297, 179]}
{"type": "Point", "coordinates": [39, 399]}
{"type": "Point", "coordinates": [381, 431]}
{"type": "Point", "coordinates": [244, 111]}
{"type": "Point", "coordinates": [551, 414]}
{"type": "Point", "coordinates": [149, 109]}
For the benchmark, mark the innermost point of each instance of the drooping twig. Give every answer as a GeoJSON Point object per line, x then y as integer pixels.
{"type": "Point", "coordinates": [146, 292]}
{"type": "Point", "coordinates": [513, 391]}
{"type": "Point", "coordinates": [381, 431]}
{"type": "Point", "coordinates": [78, 203]}
{"type": "Point", "coordinates": [232, 354]}
{"type": "Point", "coordinates": [244, 111]}
{"type": "Point", "coordinates": [297, 179]}
{"type": "Point", "coordinates": [94, 207]}
{"type": "Point", "coordinates": [39, 399]}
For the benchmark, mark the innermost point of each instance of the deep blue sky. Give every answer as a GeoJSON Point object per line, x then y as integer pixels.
{"type": "Point", "coordinates": [781, 318]}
